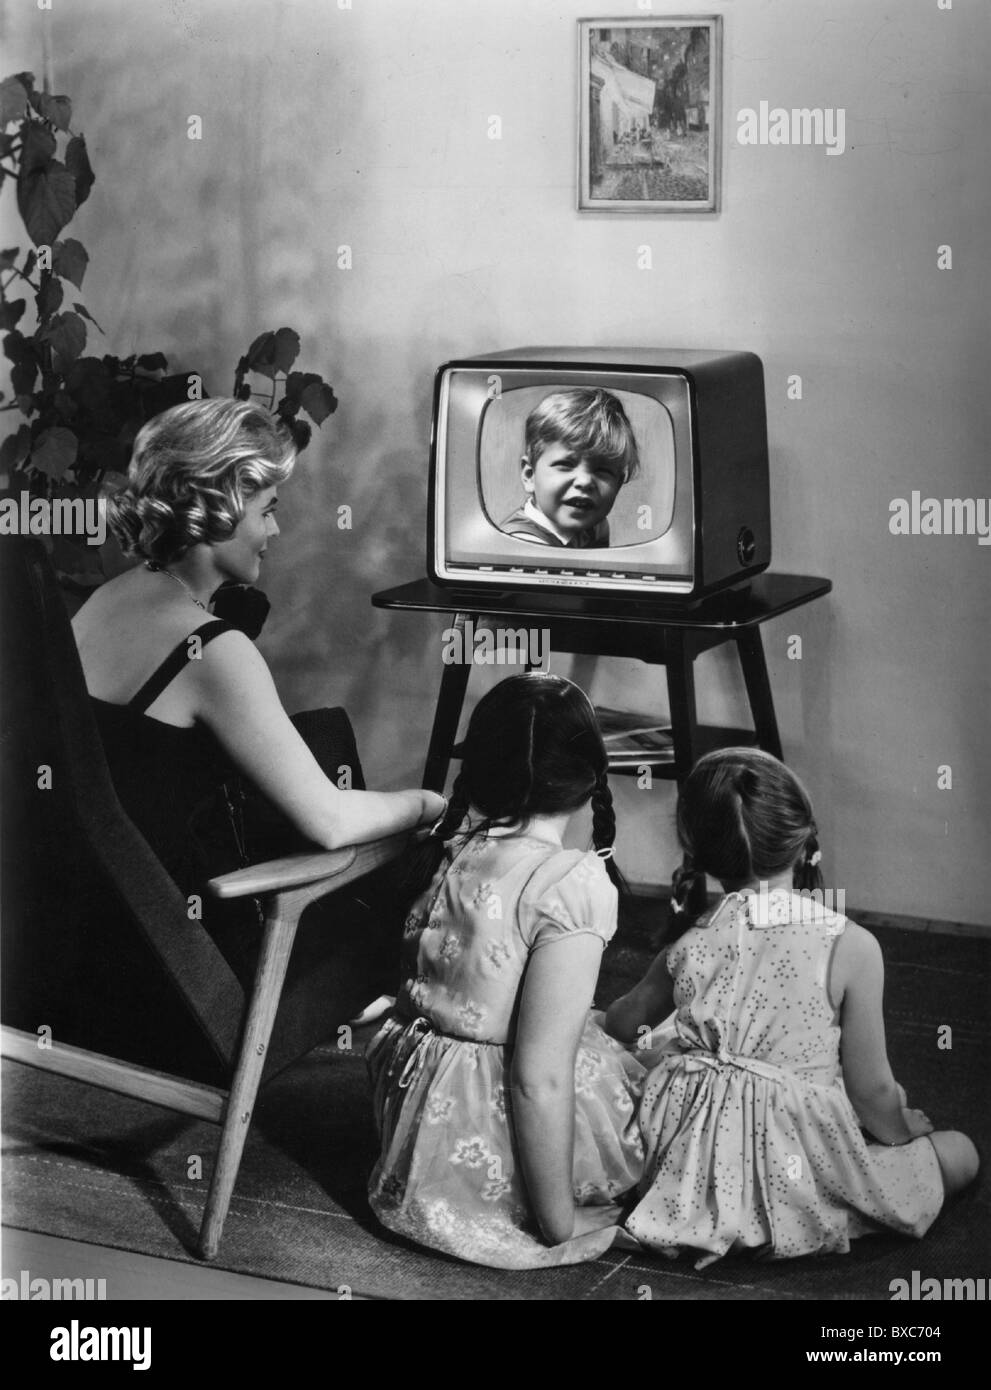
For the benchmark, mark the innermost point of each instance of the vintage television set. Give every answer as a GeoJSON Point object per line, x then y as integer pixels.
{"type": "Point", "coordinates": [694, 519]}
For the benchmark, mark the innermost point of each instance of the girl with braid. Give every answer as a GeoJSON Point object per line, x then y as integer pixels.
{"type": "Point", "coordinates": [507, 1116]}
{"type": "Point", "coordinates": [771, 1118]}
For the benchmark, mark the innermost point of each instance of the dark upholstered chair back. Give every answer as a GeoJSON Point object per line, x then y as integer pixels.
{"type": "Point", "coordinates": [97, 942]}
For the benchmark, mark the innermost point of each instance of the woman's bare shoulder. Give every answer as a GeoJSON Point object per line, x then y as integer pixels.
{"type": "Point", "coordinates": [230, 667]}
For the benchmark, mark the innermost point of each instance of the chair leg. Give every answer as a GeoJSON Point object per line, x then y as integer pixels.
{"type": "Point", "coordinates": [280, 932]}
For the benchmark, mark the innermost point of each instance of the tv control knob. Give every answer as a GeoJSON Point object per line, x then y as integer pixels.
{"type": "Point", "coordinates": [746, 546]}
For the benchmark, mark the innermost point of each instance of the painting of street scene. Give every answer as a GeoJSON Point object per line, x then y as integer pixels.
{"type": "Point", "coordinates": [650, 120]}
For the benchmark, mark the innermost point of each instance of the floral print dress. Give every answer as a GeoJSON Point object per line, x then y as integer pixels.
{"type": "Point", "coordinates": [752, 1142]}
{"type": "Point", "coordinates": [448, 1174]}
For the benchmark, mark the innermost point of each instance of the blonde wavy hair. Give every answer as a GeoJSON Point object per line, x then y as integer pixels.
{"type": "Point", "coordinates": [192, 469]}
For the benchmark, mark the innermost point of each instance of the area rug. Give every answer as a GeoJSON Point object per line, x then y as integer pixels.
{"type": "Point", "coordinates": [86, 1165]}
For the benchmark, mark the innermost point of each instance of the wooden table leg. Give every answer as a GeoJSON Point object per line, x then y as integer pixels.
{"type": "Point", "coordinates": [680, 667]}
{"type": "Point", "coordinates": [751, 649]}
{"type": "Point", "coordinates": [447, 716]}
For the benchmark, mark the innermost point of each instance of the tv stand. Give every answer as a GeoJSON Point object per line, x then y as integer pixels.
{"type": "Point", "coordinates": [659, 632]}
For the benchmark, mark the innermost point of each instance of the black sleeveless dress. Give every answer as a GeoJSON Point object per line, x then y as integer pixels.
{"type": "Point", "coordinates": [165, 775]}
{"type": "Point", "coordinates": [177, 786]}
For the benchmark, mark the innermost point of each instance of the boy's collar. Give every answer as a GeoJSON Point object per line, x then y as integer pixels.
{"type": "Point", "coordinates": [533, 513]}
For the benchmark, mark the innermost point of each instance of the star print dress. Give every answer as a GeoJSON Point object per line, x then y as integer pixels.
{"type": "Point", "coordinates": [448, 1176]}
{"type": "Point", "coordinates": [751, 1140]}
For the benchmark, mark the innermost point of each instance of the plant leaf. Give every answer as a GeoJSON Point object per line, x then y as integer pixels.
{"type": "Point", "coordinates": [49, 297]}
{"type": "Point", "coordinates": [13, 101]}
{"type": "Point", "coordinates": [70, 259]}
{"type": "Point", "coordinates": [58, 110]}
{"type": "Point", "coordinates": [301, 433]}
{"type": "Point", "coordinates": [319, 401]}
{"type": "Point", "coordinates": [11, 311]}
{"type": "Point", "coordinates": [67, 335]}
{"type": "Point", "coordinates": [286, 349]}
{"type": "Point", "coordinates": [65, 405]}
{"type": "Point", "coordinates": [46, 200]}
{"type": "Point", "coordinates": [22, 377]}
{"type": "Point", "coordinates": [8, 259]}
{"type": "Point", "coordinates": [153, 362]}
{"type": "Point", "coordinates": [78, 165]}
{"type": "Point", "coordinates": [54, 451]}
{"type": "Point", "coordinates": [38, 147]}
{"type": "Point", "coordinates": [17, 347]}
{"type": "Point", "coordinates": [261, 355]}
{"type": "Point", "coordinates": [81, 309]}
{"type": "Point", "coordinates": [296, 384]}
{"type": "Point", "coordinates": [14, 449]}
{"type": "Point", "coordinates": [86, 370]}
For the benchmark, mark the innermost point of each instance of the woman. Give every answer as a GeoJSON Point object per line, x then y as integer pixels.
{"type": "Point", "coordinates": [184, 701]}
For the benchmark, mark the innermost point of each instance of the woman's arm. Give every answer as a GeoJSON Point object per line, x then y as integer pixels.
{"type": "Point", "coordinates": [557, 994]}
{"type": "Point", "coordinates": [645, 1004]}
{"type": "Point", "coordinates": [857, 988]}
{"type": "Point", "coordinates": [235, 697]}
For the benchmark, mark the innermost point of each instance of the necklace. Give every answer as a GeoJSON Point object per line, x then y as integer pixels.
{"type": "Point", "coordinates": [160, 569]}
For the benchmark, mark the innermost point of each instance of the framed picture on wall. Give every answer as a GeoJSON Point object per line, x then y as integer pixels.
{"type": "Point", "coordinates": [650, 114]}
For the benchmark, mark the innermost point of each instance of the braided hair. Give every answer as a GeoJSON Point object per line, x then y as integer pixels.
{"type": "Point", "coordinates": [533, 748]}
{"type": "Point", "coordinates": [742, 817]}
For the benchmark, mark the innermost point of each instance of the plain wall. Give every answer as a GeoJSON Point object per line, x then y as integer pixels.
{"type": "Point", "coordinates": [368, 127]}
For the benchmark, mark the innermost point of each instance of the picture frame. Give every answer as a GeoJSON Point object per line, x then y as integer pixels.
{"type": "Point", "coordinates": [650, 114]}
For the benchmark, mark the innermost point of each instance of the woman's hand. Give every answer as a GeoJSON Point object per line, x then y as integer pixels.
{"type": "Point", "coordinates": [434, 806]}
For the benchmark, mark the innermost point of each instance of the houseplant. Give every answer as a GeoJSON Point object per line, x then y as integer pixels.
{"type": "Point", "coordinates": [75, 413]}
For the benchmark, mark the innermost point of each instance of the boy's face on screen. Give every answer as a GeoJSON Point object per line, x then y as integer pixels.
{"type": "Point", "coordinates": [574, 491]}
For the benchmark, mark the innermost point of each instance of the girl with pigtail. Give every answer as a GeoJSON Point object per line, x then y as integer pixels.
{"type": "Point", "coordinates": [770, 1116]}
{"type": "Point", "coordinates": [507, 1116]}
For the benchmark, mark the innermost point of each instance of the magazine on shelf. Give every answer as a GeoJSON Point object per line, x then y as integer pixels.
{"type": "Point", "coordinates": [632, 739]}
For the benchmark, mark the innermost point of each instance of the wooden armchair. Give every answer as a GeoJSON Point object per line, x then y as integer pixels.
{"type": "Point", "coordinates": [94, 927]}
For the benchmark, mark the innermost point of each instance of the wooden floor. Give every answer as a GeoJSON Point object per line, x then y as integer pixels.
{"type": "Point", "coordinates": [151, 1278]}
{"type": "Point", "coordinates": [144, 1276]}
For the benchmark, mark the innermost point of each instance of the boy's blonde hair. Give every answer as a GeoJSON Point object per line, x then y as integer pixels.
{"type": "Point", "coordinates": [589, 420]}
{"type": "Point", "coordinates": [192, 469]}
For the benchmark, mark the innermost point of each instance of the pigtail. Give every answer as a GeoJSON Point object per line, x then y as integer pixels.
{"type": "Point", "coordinates": [808, 875]}
{"type": "Point", "coordinates": [689, 898]}
{"type": "Point", "coordinates": [604, 831]}
{"type": "Point", "coordinates": [423, 858]}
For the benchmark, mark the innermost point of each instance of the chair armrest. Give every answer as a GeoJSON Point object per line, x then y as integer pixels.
{"type": "Point", "coordinates": [331, 868]}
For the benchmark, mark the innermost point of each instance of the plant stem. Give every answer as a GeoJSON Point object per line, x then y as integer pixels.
{"type": "Point", "coordinates": [14, 271]}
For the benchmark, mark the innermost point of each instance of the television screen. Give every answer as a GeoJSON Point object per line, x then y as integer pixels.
{"type": "Point", "coordinates": [599, 469]}
{"type": "Point", "coordinates": [610, 507]}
